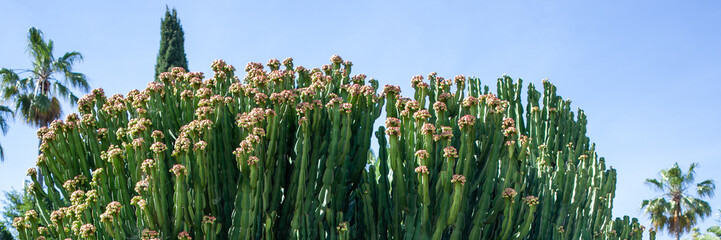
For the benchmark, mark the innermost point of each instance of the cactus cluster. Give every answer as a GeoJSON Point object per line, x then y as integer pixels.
{"type": "Point", "coordinates": [284, 153]}
{"type": "Point", "coordinates": [470, 164]}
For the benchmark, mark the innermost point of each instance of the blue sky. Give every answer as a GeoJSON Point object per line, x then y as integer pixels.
{"type": "Point", "coordinates": [645, 72]}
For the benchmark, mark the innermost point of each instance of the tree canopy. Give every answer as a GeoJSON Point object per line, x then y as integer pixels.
{"type": "Point", "coordinates": [678, 209]}
{"type": "Point", "coordinates": [172, 50]}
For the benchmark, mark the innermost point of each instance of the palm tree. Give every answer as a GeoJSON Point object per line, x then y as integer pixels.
{"type": "Point", "coordinates": [36, 96]}
{"type": "Point", "coordinates": [677, 209]}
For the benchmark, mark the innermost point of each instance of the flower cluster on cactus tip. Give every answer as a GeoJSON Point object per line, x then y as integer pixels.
{"type": "Point", "coordinates": [87, 230]}
{"type": "Point", "coordinates": [422, 115]}
{"type": "Point", "coordinates": [450, 152]}
{"type": "Point", "coordinates": [179, 170]}
{"type": "Point", "coordinates": [509, 193]}
{"type": "Point", "coordinates": [208, 219]}
{"type": "Point", "coordinates": [457, 178]}
{"type": "Point", "coordinates": [158, 147]}
{"type": "Point", "coordinates": [416, 80]}
{"type": "Point", "coordinates": [111, 211]}
{"type": "Point", "coordinates": [393, 131]}
{"type": "Point", "coordinates": [138, 201]}
{"type": "Point", "coordinates": [31, 215]}
{"type": "Point", "coordinates": [428, 128]}
{"type": "Point", "coordinates": [422, 170]}
{"type": "Point", "coordinates": [19, 223]}
{"type": "Point", "coordinates": [393, 122]}
{"type": "Point", "coordinates": [470, 101]}
{"type": "Point", "coordinates": [446, 134]}
{"type": "Point", "coordinates": [32, 172]}
{"type": "Point", "coordinates": [530, 200]}
{"type": "Point", "coordinates": [391, 90]}
{"type": "Point", "coordinates": [336, 59]}
{"type": "Point", "coordinates": [252, 160]}
{"type": "Point", "coordinates": [466, 121]}
{"type": "Point", "coordinates": [184, 236]}
{"type": "Point", "coordinates": [149, 234]}
{"type": "Point", "coordinates": [343, 226]}
{"type": "Point", "coordinates": [439, 107]}
{"type": "Point", "coordinates": [422, 154]}
{"type": "Point", "coordinates": [509, 127]}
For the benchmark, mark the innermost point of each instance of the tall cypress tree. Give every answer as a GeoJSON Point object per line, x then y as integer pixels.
{"type": "Point", "coordinates": [172, 50]}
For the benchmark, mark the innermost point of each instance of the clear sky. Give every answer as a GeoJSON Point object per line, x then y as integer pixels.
{"type": "Point", "coordinates": [647, 73]}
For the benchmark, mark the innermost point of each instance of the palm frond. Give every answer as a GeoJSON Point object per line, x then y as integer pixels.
{"type": "Point", "coordinates": [9, 83]}
{"type": "Point", "coordinates": [697, 207]}
{"type": "Point", "coordinates": [9, 91]}
{"type": "Point", "coordinates": [38, 110]}
{"type": "Point", "coordinates": [40, 51]}
{"type": "Point", "coordinates": [706, 188]}
{"type": "Point", "coordinates": [35, 42]}
{"type": "Point", "coordinates": [22, 106]}
{"type": "Point", "coordinates": [48, 112]}
{"type": "Point", "coordinates": [690, 174]}
{"type": "Point", "coordinates": [655, 184]}
{"type": "Point", "coordinates": [48, 55]}
{"type": "Point", "coordinates": [78, 81]}
{"type": "Point", "coordinates": [5, 111]}
{"type": "Point", "coordinates": [656, 209]}
{"type": "Point", "coordinates": [9, 77]}
{"type": "Point", "coordinates": [70, 57]}
{"type": "Point", "coordinates": [674, 176]}
{"type": "Point", "coordinates": [63, 91]}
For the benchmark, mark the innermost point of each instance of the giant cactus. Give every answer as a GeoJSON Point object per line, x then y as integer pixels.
{"type": "Point", "coordinates": [284, 154]}
{"type": "Point", "coordinates": [473, 165]}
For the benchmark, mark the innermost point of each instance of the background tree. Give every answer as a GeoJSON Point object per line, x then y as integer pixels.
{"type": "Point", "coordinates": [4, 232]}
{"type": "Point", "coordinates": [36, 96]}
{"type": "Point", "coordinates": [677, 209]}
{"type": "Point", "coordinates": [712, 233]}
{"type": "Point", "coordinates": [17, 202]}
{"type": "Point", "coordinates": [172, 50]}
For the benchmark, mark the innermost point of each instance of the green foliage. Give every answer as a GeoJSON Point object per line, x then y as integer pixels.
{"type": "Point", "coordinates": [284, 154]}
{"type": "Point", "coordinates": [712, 233]}
{"type": "Point", "coordinates": [4, 112]}
{"type": "Point", "coordinates": [172, 44]}
{"type": "Point", "coordinates": [678, 210]}
{"type": "Point", "coordinates": [16, 204]}
{"type": "Point", "coordinates": [4, 232]}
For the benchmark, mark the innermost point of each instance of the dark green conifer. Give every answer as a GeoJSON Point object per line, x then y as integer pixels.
{"type": "Point", "coordinates": [172, 50]}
